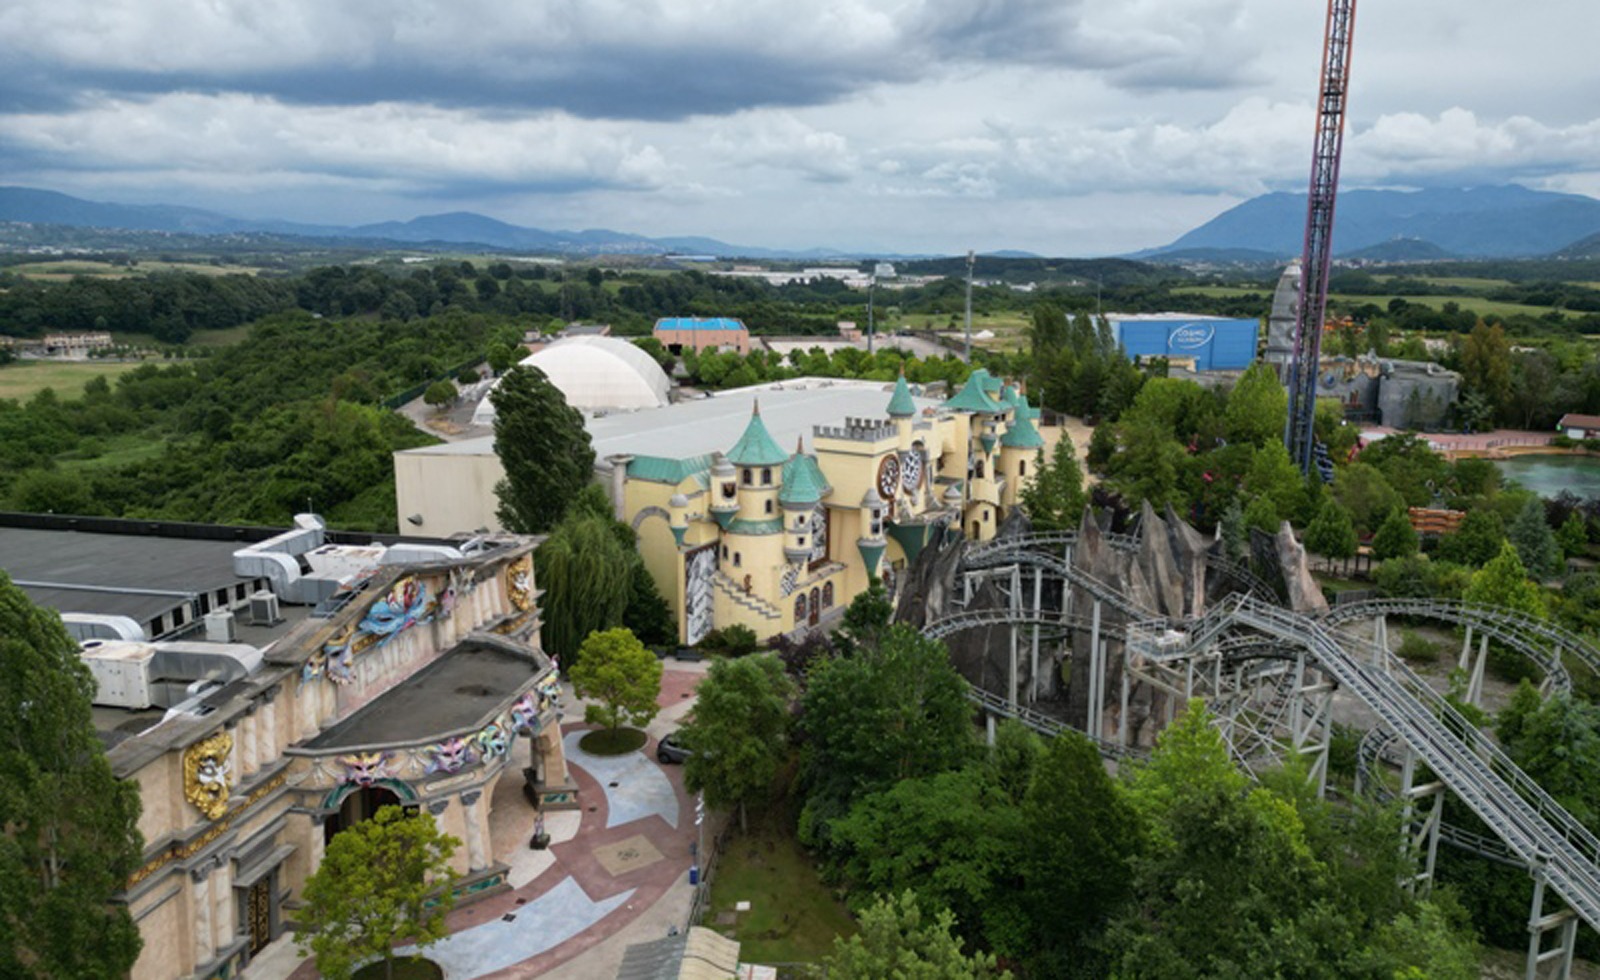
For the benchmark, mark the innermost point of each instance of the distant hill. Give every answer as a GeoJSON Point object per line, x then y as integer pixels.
{"type": "Point", "coordinates": [1400, 250]}
{"type": "Point", "coordinates": [1584, 248]}
{"type": "Point", "coordinates": [1481, 222]}
{"type": "Point", "coordinates": [42, 207]}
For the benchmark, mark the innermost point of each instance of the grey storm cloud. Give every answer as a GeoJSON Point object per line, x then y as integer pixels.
{"type": "Point", "coordinates": [592, 58]}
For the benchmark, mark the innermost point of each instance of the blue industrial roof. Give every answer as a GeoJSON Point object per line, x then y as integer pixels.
{"type": "Point", "coordinates": [699, 323]}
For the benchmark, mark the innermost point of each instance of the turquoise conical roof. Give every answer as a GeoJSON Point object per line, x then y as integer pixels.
{"type": "Point", "coordinates": [1021, 434]}
{"type": "Point", "coordinates": [901, 406]}
{"type": "Point", "coordinates": [803, 482]}
{"type": "Point", "coordinates": [757, 447]}
{"type": "Point", "coordinates": [972, 397]}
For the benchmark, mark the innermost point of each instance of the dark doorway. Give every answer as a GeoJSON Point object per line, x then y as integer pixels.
{"type": "Point", "coordinates": [258, 913]}
{"type": "Point", "coordinates": [358, 806]}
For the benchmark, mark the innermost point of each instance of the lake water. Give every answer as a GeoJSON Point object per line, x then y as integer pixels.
{"type": "Point", "coordinates": [1549, 475]}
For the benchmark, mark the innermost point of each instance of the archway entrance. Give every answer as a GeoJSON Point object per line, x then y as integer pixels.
{"type": "Point", "coordinates": [359, 805]}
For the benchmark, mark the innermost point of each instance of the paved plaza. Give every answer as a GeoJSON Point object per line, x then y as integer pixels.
{"type": "Point", "coordinates": [616, 872]}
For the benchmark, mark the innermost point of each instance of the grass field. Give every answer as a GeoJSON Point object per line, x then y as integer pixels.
{"type": "Point", "coordinates": [67, 268]}
{"type": "Point", "coordinates": [24, 379]}
{"type": "Point", "coordinates": [793, 916]}
{"type": "Point", "coordinates": [1475, 303]}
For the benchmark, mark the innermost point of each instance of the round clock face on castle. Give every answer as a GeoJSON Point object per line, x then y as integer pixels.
{"type": "Point", "coordinates": [888, 476]}
{"type": "Point", "coordinates": [911, 471]}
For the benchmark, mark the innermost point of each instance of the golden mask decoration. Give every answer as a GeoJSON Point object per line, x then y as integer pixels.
{"type": "Point", "coordinates": [207, 776]}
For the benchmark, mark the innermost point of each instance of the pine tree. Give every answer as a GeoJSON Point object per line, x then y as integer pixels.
{"type": "Point", "coordinates": [1535, 543]}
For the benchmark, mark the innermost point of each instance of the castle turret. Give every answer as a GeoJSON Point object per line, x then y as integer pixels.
{"type": "Point", "coordinates": [759, 460]}
{"type": "Point", "coordinates": [804, 486]}
{"type": "Point", "coordinates": [871, 544]}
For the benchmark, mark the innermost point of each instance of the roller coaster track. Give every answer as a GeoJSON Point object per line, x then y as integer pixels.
{"type": "Point", "coordinates": [1534, 828]}
{"type": "Point", "coordinates": [1508, 625]}
{"type": "Point", "coordinates": [1022, 555]}
{"type": "Point", "coordinates": [1046, 725]}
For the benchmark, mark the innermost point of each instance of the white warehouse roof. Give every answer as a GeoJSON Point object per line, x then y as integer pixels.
{"type": "Point", "coordinates": [596, 374]}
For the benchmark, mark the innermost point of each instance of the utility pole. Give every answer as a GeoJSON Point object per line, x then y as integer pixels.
{"type": "Point", "coordinates": [872, 282]}
{"type": "Point", "coordinates": [970, 258]}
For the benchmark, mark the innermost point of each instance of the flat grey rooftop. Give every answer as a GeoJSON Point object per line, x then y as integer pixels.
{"type": "Point", "coordinates": [134, 575]}
{"type": "Point", "coordinates": [705, 425]}
{"type": "Point", "coordinates": [459, 690]}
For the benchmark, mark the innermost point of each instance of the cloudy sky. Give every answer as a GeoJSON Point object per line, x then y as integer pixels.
{"type": "Point", "coordinates": [1065, 127]}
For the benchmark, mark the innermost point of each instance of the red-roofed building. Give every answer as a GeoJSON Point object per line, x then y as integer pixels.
{"type": "Point", "coordinates": [1575, 426]}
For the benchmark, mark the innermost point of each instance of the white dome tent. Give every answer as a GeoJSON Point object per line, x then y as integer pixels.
{"type": "Point", "coordinates": [596, 374]}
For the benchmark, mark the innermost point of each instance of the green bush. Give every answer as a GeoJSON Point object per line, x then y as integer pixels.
{"type": "Point", "coordinates": [1415, 648]}
{"type": "Point", "coordinates": [729, 641]}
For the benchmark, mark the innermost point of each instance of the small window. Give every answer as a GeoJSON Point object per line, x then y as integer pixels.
{"type": "Point", "coordinates": [987, 515]}
{"type": "Point", "coordinates": [978, 470]}
{"type": "Point", "coordinates": [724, 552]}
{"type": "Point", "coordinates": [738, 560]}
{"type": "Point", "coordinates": [977, 529]}
{"type": "Point", "coordinates": [827, 595]}
{"type": "Point", "coordinates": [769, 506]}
{"type": "Point", "coordinates": [1022, 467]}
{"type": "Point", "coordinates": [745, 477]}
{"type": "Point", "coordinates": [800, 607]}
{"type": "Point", "coordinates": [800, 542]}
{"type": "Point", "coordinates": [766, 476]}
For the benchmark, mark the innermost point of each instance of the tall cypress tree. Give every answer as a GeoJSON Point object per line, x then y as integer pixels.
{"type": "Point", "coordinates": [70, 837]}
{"type": "Point", "coordinates": [543, 447]}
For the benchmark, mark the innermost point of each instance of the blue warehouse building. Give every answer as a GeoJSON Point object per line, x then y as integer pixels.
{"type": "Point", "coordinates": [1215, 343]}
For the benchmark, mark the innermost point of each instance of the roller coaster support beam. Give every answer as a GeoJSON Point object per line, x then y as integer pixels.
{"type": "Point", "coordinates": [1554, 962]}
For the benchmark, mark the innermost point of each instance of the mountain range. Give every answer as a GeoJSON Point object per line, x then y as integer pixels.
{"type": "Point", "coordinates": [1505, 221]}
{"type": "Point", "coordinates": [1390, 226]}
{"type": "Point", "coordinates": [27, 204]}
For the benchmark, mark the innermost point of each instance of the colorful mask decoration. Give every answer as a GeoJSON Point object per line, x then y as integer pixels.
{"type": "Point", "coordinates": [206, 774]}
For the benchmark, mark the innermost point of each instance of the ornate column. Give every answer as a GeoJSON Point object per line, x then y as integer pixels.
{"type": "Point", "coordinates": [305, 702]}
{"type": "Point", "coordinates": [476, 860]}
{"type": "Point", "coordinates": [247, 731]}
{"type": "Point", "coordinates": [204, 949]}
{"type": "Point", "coordinates": [269, 729]}
{"type": "Point", "coordinates": [222, 896]}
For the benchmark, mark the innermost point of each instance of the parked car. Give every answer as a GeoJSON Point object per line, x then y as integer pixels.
{"type": "Point", "coordinates": [671, 750]}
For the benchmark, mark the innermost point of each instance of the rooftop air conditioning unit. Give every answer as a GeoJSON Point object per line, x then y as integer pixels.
{"type": "Point", "coordinates": [220, 627]}
{"type": "Point", "coordinates": [264, 609]}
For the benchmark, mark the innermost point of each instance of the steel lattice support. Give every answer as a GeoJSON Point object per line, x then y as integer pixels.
{"type": "Point", "coordinates": [1317, 254]}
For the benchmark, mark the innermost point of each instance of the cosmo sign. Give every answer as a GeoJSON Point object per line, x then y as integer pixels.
{"type": "Point", "coordinates": [1191, 337]}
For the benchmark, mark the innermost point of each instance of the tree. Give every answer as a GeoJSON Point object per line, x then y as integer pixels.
{"type": "Point", "coordinates": [1077, 870]}
{"type": "Point", "coordinates": [1504, 582]}
{"type": "Point", "coordinates": [1366, 494]}
{"type": "Point", "coordinates": [544, 448]}
{"type": "Point", "coordinates": [1227, 870]}
{"type": "Point", "coordinates": [1330, 534]}
{"type": "Point", "coordinates": [381, 882]}
{"type": "Point", "coordinates": [1395, 537]}
{"type": "Point", "coordinates": [439, 394]}
{"type": "Point", "coordinates": [1257, 407]}
{"type": "Point", "coordinates": [616, 670]}
{"type": "Point", "coordinates": [1573, 535]}
{"type": "Point", "coordinates": [1054, 499]}
{"type": "Point", "coordinates": [1274, 476]}
{"type": "Point", "coordinates": [647, 613]}
{"type": "Point", "coordinates": [70, 838]}
{"type": "Point", "coordinates": [1536, 544]}
{"type": "Point", "coordinates": [580, 567]}
{"type": "Point", "coordinates": [501, 355]}
{"type": "Point", "coordinates": [1476, 540]}
{"type": "Point", "coordinates": [1486, 364]}
{"type": "Point", "coordinates": [893, 709]}
{"type": "Point", "coordinates": [897, 940]}
{"type": "Point", "coordinates": [739, 730]}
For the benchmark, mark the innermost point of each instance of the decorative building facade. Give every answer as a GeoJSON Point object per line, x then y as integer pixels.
{"type": "Point", "coordinates": [777, 541]}
{"type": "Point", "coordinates": [422, 685]}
